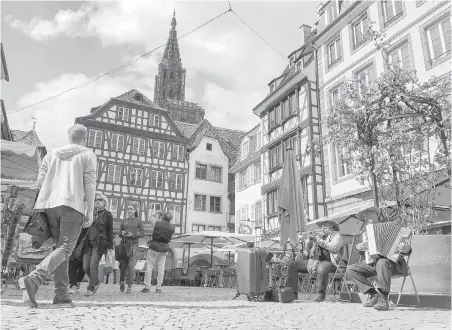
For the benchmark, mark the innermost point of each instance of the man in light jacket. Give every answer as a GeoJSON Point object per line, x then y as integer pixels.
{"type": "Point", "coordinates": [67, 181]}
{"type": "Point", "coordinates": [328, 250]}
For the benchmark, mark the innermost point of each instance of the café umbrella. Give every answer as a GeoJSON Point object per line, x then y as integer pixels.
{"type": "Point", "coordinates": [189, 245]}
{"type": "Point", "coordinates": [214, 238]}
{"type": "Point", "coordinates": [290, 201]}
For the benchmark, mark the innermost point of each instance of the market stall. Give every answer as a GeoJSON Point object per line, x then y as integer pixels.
{"type": "Point", "coordinates": [19, 173]}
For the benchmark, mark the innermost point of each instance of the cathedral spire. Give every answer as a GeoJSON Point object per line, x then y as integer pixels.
{"type": "Point", "coordinates": [170, 81]}
{"type": "Point", "coordinates": [171, 55]}
{"type": "Point", "coordinates": [173, 21]}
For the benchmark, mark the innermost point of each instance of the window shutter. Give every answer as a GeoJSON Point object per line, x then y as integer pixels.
{"type": "Point", "coordinates": [246, 212]}
{"type": "Point", "coordinates": [253, 212]}
{"type": "Point", "coordinates": [252, 174]}
{"type": "Point", "coordinates": [142, 146]}
{"type": "Point", "coordinates": [237, 182]}
{"type": "Point", "coordinates": [120, 142]}
{"type": "Point", "coordinates": [334, 163]}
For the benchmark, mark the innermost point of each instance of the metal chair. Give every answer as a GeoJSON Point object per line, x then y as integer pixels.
{"type": "Point", "coordinates": [408, 273]}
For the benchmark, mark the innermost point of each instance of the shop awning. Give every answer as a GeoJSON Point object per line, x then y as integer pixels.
{"type": "Point", "coordinates": [349, 225]}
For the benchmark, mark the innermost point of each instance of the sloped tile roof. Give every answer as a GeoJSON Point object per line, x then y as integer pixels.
{"type": "Point", "coordinates": [29, 137]}
{"type": "Point", "coordinates": [186, 129]}
{"type": "Point", "coordinates": [135, 97]}
{"type": "Point", "coordinates": [228, 139]}
{"type": "Point", "coordinates": [253, 150]}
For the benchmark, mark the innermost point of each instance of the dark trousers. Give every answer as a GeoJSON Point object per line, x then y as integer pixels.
{"type": "Point", "coordinates": [382, 270]}
{"type": "Point", "coordinates": [127, 267]}
{"type": "Point", "coordinates": [76, 272]}
{"type": "Point", "coordinates": [301, 266]}
{"type": "Point", "coordinates": [114, 277]}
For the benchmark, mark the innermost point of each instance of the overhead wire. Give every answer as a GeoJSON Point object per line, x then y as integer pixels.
{"type": "Point", "coordinates": [261, 37]}
{"type": "Point", "coordinates": [119, 68]}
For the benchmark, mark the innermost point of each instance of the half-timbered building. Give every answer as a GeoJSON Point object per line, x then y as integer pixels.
{"type": "Point", "coordinates": [290, 119]}
{"type": "Point", "coordinates": [141, 158]}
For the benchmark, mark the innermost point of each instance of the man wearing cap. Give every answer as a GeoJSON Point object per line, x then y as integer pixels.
{"type": "Point", "coordinates": [327, 249]}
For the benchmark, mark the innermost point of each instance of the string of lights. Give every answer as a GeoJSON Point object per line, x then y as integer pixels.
{"type": "Point", "coordinates": [123, 66]}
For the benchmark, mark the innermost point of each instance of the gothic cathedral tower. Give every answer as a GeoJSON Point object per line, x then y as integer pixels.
{"type": "Point", "coordinates": [169, 90]}
{"type": "Point", "coordinates": [170, 81]}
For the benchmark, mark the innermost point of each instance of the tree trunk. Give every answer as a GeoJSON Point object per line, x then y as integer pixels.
{"type": "Point", "coordinates": [373, 179]}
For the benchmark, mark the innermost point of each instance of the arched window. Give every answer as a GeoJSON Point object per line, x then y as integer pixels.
{"type": "Point", "coordinates": [170, 94]}
{"type": "Point", "coordinates": [171, 75]}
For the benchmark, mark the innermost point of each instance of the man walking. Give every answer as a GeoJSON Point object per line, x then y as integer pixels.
{"type": "Point", "coordinates": [67, 178]}
{"type": "Point", "coordinates": [158, 249]}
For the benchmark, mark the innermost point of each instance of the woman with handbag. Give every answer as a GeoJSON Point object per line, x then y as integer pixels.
{"type": "Point", "coordinates": [130, 231]}
{"type": "Point", "coordinates": [97, 242]}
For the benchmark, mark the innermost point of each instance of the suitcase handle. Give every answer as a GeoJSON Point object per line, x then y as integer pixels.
{"type": "Point", "coordinates": [291, 247]}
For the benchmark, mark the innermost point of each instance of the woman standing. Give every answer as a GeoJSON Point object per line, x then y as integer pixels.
{"type": "Point", "coordinates": [99, 239]}
{"type": "Point", "coordinates": [130, 231]}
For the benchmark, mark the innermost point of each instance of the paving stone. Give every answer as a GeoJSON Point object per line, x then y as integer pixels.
{"type": "Point", "coordinates": [204, 308]}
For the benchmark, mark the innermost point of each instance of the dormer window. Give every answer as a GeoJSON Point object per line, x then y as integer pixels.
{"type": "Point", "coordinates": [138, 97]}
{"type": "Point", "coordinates": [299, 66]}
{"type": "Point", "coordinates": [292, 60]}
{"type": "Point", "coordinates": [272, 88]}
{"type": "Point", "coordinates": [122, 114]}
{"type": "Point", "coordinates": [209, 146]}
{"type": "Point", "coordinates": [331, 12]}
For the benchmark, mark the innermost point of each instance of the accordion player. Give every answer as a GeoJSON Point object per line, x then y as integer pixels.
{"type": "Point", "coordinates": [383, 240]}
{"type": "Point", "coordinates": [384, 248]}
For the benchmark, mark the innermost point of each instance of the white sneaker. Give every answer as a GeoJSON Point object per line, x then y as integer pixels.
{"type": "Point", "coordinates": [72, 291]}
{"type": "Point", "coordinates": [89, 293]}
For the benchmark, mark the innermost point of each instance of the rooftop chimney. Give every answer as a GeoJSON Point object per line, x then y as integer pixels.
{"type": "Point", "coordinates": [306, 30]}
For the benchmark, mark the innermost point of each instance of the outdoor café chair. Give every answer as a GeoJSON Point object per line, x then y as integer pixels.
{"type": "Point", "coordinates": [232, 282]}
{"type": "Point", "coordinates": [190, 276]}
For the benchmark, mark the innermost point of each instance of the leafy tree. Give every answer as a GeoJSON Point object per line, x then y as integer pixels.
{"type": "Point", "coordinates": [383, 124]}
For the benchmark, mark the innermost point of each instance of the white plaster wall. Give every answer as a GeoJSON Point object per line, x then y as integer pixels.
{"type": "Point", "coordinates": [410, 26]}
{"type": "Point", "coordinates": [215, 157]}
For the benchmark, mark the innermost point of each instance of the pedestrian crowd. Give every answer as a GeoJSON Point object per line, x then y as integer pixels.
{"type": "Point", "coordinates": [82, 228]}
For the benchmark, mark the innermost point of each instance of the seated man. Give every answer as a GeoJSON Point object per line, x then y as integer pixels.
{"type": "Point", "coordinates": [383, 269]}
{"type": "Point", "coordinates": [327, 250]}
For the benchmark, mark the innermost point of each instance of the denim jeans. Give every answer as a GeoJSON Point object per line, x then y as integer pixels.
{"type": "Point", "coordinates": [323, 269]}
{"type": "Point", "coordinates": [382, 269]}
{"type": "Point", "coordinates": [91, 261]}
{"type": "Point", "coordinates": [65, 224]}
{"type": "Point", "coordinates": [152, 258]}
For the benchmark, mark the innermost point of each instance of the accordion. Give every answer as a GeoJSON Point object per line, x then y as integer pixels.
{"type": "Point", "coordinates": [383, 239]}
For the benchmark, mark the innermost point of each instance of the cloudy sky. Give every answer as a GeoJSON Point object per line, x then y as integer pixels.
{"type": "Point", "coordinates": [54, 46]}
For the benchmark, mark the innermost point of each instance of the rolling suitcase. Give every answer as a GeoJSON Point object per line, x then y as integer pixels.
{"type": "Point", "coordinates": [251, 273]}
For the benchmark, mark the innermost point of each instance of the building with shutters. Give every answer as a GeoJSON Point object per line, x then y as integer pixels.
{"type": "Point", "coordinates": [418, 34]}
{"type": "Point", "coordinates": [169, 88]}
{"type": "Point", "coordinates": [249, 213]}
{"type": "Point", "coordinates": [210, 197]}
{"type": "Point", "coordinates": [141, 157]}
{"type": "Point", "coordinates": [290, 118]}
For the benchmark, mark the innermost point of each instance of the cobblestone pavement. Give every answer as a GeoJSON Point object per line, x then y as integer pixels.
{"type": "Point", "coordinates": [204, 308]}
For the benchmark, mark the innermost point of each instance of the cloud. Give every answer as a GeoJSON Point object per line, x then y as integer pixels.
{"type": "Point", "coordinates": [228, 66]}
{"type": "Point", "coordinates": [54, 117]}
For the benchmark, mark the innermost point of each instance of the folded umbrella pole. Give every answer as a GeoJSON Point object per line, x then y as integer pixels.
{"type": "Point", "coordinates": [290, 201]}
